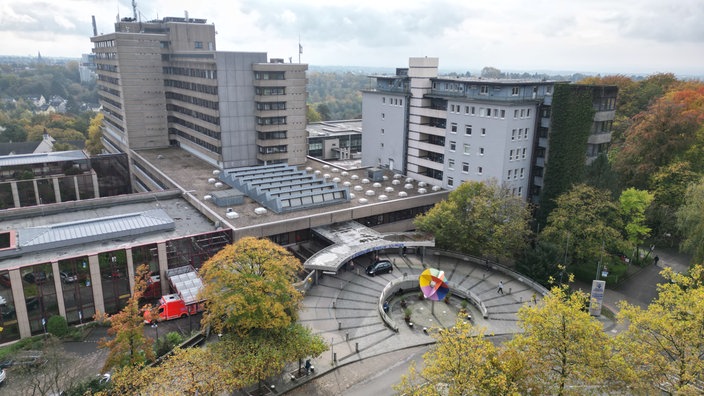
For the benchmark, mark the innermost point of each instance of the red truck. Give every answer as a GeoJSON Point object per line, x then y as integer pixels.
{"type": "Point", "coordinates": [186, 285]}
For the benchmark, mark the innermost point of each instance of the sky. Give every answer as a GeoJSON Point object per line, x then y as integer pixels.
{"type": "Point", "coordinates": [585, 36]}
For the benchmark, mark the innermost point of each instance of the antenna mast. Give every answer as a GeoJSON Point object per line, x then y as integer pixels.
{"type": "Point", "coordinates": [134, 9]}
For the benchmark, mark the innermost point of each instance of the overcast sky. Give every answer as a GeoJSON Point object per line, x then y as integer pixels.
{"type": "Point", "coordinates": [591, 36]}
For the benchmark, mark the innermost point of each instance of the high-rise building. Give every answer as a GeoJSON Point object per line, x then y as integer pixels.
{"type": "Point", "coordinates": [446, 130]}
{"type": "Point", "coordinates": [162, 83]}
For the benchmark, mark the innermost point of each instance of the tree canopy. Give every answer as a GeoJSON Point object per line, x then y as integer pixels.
{"type": "Point", "coordinates": [478, 218]}
{"type": "Point", "coordinates": [690, 220]}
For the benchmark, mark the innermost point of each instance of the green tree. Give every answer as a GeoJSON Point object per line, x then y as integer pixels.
{"type": "Point", "coordinates": [324, 111]}
{"type": "Point", "coordinates": [13, 132]}
{"type": "Point", "coordinates": [633, 204]}
{"type": "Point", "coordinates": [312, 114]}
{"type": "Point", "coordinates": [129, 346]}
{"type": "Point", "coordinates": [690, 221]}
{"type": "Point", "coordinates": [478, 218]}
{"type": "Point", "coordinates": [561, 345]}
{"type": "Point", "coordinates": [585, 221]}
{"type": "Point", "coordinates": [664, 344]}
{"type": "Point", "coordinates": [57, 326]}
{"type": "Point", "coordinates": [249, 286]}
{"type": "Point", "coordinates": [669, 187]}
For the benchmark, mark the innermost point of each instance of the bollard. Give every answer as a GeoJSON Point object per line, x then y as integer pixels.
{"type": "Point", "coordinates": [347, 336]}
{"type": "Point", "coordinates": [339, 325]}
{"type": "Point", "coordinates": [334, 357]}
{"type": "Point", "coordinates": [356, 347]}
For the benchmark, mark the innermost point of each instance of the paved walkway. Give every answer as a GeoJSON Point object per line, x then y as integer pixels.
{"type": "Point", "coordinates": [343, 309]}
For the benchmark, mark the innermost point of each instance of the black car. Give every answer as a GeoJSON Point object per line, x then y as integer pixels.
{"type": "Point", "coordinates": [380, 267]}
{"type": "Point", "coordinates": [35, 277]}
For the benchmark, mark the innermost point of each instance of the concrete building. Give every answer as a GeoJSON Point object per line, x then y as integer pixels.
{"type": "Point", "coordinates": [162, 83]}
{"type": "Point", "coordinates": [444, 131]}
{"type": "Point", "coordinates": [335, 140]}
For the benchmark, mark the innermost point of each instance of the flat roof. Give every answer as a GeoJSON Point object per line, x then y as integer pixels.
{"type": "Point", "coordinates": [333, 128]}
{"type": "Point", "coordinates": [186, 221]}
{"type": "Point", "coordinates": [190, 174]}
{"type": "Point", "coordinates": [42, 158]}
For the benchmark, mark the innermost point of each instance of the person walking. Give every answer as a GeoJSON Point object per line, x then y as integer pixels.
{"type": "Point", "coordinates": [655, 260]}
{"type": "Point", "coordinates": [501, 287]}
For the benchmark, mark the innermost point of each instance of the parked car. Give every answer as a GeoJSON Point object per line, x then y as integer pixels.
{"type": "Point", "coordinates": [7, 310]}
{"type": "Point", "coordinates": [380, 267]}
{"type": "Point", "coordinates": [5, 280]}
{"type": "Point", "coordinates": [68, 276]}
{"type": "Point", "coordinates": [2, 376]}
{"type": "Point", "coordinates": [35, 277]}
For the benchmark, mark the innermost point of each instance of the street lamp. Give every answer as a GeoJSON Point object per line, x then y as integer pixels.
{"type": "Point", "coordinates": [156, 331]}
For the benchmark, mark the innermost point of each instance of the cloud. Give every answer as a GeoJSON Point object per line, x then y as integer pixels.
{"type": "Point", "coordinates": [672, 21]}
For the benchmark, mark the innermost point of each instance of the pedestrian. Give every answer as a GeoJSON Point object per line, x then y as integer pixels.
{"type": "Point", "coordinates": [655, 260]}
{"type": "Point", "coordinates": [501, 287]}
{"type": "Point", "coordinates": [535, 299]}
{"type": "Point", "coordinates": [351, 265]}
{"type": "Point", "coordinates": [308, 366]}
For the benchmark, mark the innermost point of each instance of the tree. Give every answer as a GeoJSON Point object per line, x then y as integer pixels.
{"type": "Point", "coordinates": [540, 262]}
{"type": "Point", "coordinates": [249, 286]}
{"type": "Point", "coordinates": [585, 221]}
{"type": "Point", "coordinates": [633, 204]}
{"type": "Point", "coordinates": [94, 144]}
{"type": "Point", "coordinates": [669, 187]}
{"type": "Point", "coordinates": [690, 221]}
{"type": "Point", "coordinates": [664, 344]}
{"type": "Point", "coordinates": [478, 218]}
{"type": "Point", "coordinates": [462, 362]}
{"type": "Point", "coordinates": [129, 346]}
{"type": "Point", "coordinates": [491, 72]}
{"type": "Point", "coordinates": [312, 115]}
{"type": "Point", "coordinates": [12, 132]}
{"type": "Point", "coordinates": [324, 111]}
{"type": "Point", "coordinates": [561, 345]}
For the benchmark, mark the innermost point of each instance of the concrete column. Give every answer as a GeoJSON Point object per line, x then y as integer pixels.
{"type": "Point", "coordinates": [15, 194]}
{"type": "Point", "coordinates": [36, 191]}
{"type": "Point", "coordinates": [130, 269]}
{"type": "Point", "coordinates": [163, 266]}
{"type": "Point", "coordinates": [96, 186]}
{"type": "Point", "coordinates": [20, 303]}
{"type": "Point", "coordinates": [75, 186]}
{"type": "Point", "coordinates": [57, 191]}
{"type": "Point", "coordinates": [58, 287]}
{"type": "Point", "coordinates": [95, 283]}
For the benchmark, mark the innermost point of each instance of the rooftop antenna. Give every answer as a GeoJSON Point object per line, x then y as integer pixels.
{"type": "Point", "coordinates": [134, 9]}
{"type": "Point", "coordinates": [300, 48]}
{"type": "Point", "coordinates": [95, 29]}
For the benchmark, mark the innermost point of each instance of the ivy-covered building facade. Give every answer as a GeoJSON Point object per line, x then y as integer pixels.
{"type": "Point", "coordinates": [446, 130]}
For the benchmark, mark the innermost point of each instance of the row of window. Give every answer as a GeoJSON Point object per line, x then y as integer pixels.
{"type": "Point", "coordinates": [210, 147]}
{"type": "Point", "coordinates": [451, 180]}
{"type": "Point", "coordinates": [109, 90]}
{"type": "Point", "coordinates": [269, 91]}
{"type": "Point", "coordinates": [519, 134]}
{"type": "Point", "coordinates": [270, 75]}
{"type": "Point", "coordinates": [520, 154]}
{"type": "Point", "coordinates": [209, 89]}
{"type": "Point", "coordinates": [275, 135]}
{"type": "Point", "coordinates": [393, 101]}
{"type": "Point", "coordinates": [209, 104]}
{"type": "Point", "coordinates": [190, 72]}
{"type": "Point", "coordinates": [273, 149]}
{"type": "Point", "coordinates": [106, 55]}
{"type": "Point", "coordinates": [106, 67]}
{"type": "Point", "coordinates": [271, 106]}
{"type": "Point", "coordinates": [194, 127]}
{"type": "Point", "coordinates": [515, 172]}
{"type": "Point", "coordinates": [271, 120]}
{"type": "Point", "coordinates": [104, 43]}
{"type": "Point", "coordinates": [489, 112]}
{"type": "Point", "coordinates": [112, 102]}
{"type": "Point", "coordinates": [195, 114]}
{"type": "Point", "coordinates": [111, 80]}
{"type": "Point", "coordinates": [114, 124]}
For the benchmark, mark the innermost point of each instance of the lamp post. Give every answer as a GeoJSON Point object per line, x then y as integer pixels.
{"type": "Point", "coordinates": [156, 331]}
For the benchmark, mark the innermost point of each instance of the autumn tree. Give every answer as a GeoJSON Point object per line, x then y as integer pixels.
{"type": "Point", "coordinates": [690, 221]}
{"type": "Point", "coordinates": [669, 187]}
{"type": "Point", "coordinates": [561, 345]}
{"type": "Point", "coordinates": [585, 222]}
{"type": "Point", "coordinates": [129, 346]}
{"type": "Point", "coordinates": [664, 344]}
{"type": "Point", "coordinates": [312, 114]}
{"type": "Point", "coordinates": [478, 218]}
{"type": "Point", "coordinates": [633, 204]}
{"type": "Point", "coordinates": [94, 145]}
{"type": "Point", "coordinates": [462, 362]}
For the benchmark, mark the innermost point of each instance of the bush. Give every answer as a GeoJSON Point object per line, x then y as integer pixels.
{"type": "Point", "coordinates": [167, 343]}
{"type": "Point", "coordinates": [57, 326]}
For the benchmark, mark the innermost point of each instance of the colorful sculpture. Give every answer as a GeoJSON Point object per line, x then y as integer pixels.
{"type": "Point", "coordinates": [433, 284]}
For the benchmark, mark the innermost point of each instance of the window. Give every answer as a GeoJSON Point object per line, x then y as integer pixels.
{"type": "Point", "coordinates": [400, 102]}
{"type": "Point", "coordinates": [513, 134]}
{"type": "Point", "coordinates": [525, 134]}
{"type": "Point", "coordinates": [382, 131]}
{"type": "Point", "coordinates": [450, 163]}
{"type": "Point", "coordinates": [450, 181]}
{"type": "Point", "coordinates": [484, 90]}
{"type": "Point", "coordinates": [520, 133]}
{"type": "Point", "coordinates": [524, 153]}
{"type": "Point", "coordinates": [515, 113]}
{"type": "Point", "coordinates": [198, 44]}
{"type": "Point", "coordinates": [527, 112]}
{"type": "Point", "coordinates": [496, 112]}
{"type": "Point", "coordinates": [510, 155]}
{"type": "Point", "coordinates": [468, 130]}
{"type": "Point", "coordinates": [465, 167]}
{"type": "Point", "coordinates": [382, 145]}
{"type": "Point", "coordinates": [466, 109]}
{"type": "Point", "coordinates": [483, 131]}
{"type": "Point", "coordinates": [522, 173]}
{"type": "Point", "coordinates": [514, 91]}
{"type": "Point", "coordinates": [515, 174]}
{"type": "Point", "coordinates": [383, 99]}
{"type": "Point", "coordinates": [453, 127]}
{"type": "Point", "coordinates": [383, 116]}
{"type": "Point", "coordinates": [523, 112]}
{"type": "Point", "coordinates": [503, 113]}
{"type": "Point", "coordinates": [480, 170]}
{"type": "Point", "coordinates": [472, 110]}
{"type": "Point", "coordinates": [548, 90]}
{"type": "Point", "coordinates": [481, 112]}
{"type": "Point", "coordinates": [520, 191]}
{"type": "Point", "coordinates": [481, 150]}
{"type": "Point", "coordinates": [452, 108]}
{"type": "Point", "coordinates": [509, 174]}
{"type": "Point", "coordinates": [453, 146]}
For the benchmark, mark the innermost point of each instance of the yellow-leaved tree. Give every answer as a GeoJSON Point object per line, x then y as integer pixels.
{"type": "Point", "coordinates": [664, 344]}
{"type": "Point", "coordinates": [94, 145]}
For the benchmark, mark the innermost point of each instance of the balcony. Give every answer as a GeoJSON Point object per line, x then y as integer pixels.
{"type": "Point", "coordinates": [599, 138]}
{"type": "Point", "coordinates": [428, 112]}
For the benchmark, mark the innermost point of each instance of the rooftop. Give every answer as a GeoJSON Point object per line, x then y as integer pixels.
{"type": "Point", "coordinates": [331, 128]}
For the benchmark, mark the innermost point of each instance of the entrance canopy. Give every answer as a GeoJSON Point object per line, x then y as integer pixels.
{"type": "Point", "coordinates": [350, 239]}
